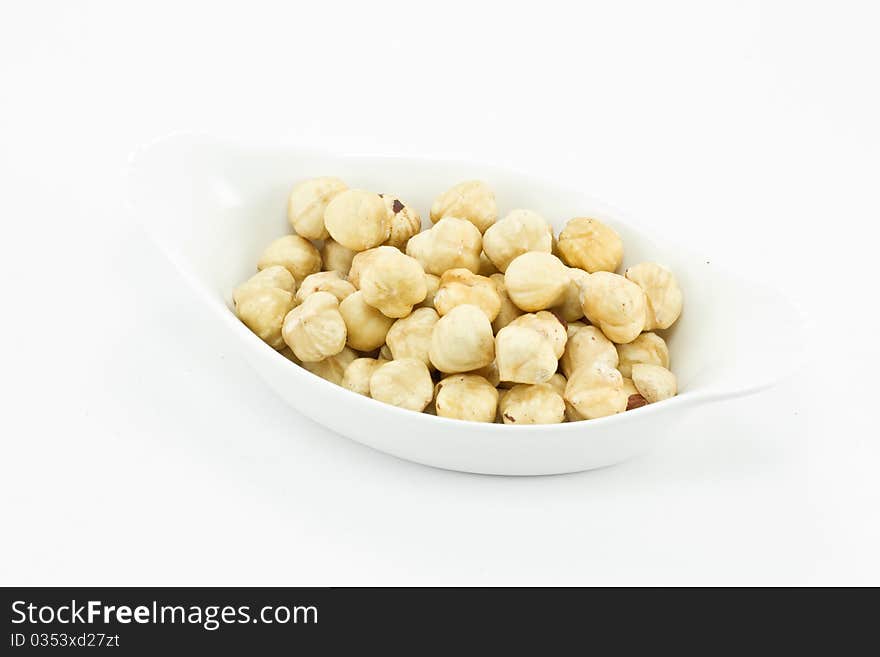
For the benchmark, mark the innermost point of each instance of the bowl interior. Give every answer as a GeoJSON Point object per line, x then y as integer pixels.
{"type": "Point", "coordinates": [214, 206]}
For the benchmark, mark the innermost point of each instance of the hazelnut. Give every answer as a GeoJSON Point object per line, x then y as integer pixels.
{"type": "Point", "coordinates": [548, 325]}
{"type": "Point", "coordinates": [501, 393]}
{"type": "Point", "coordinates": [524, 355]}
{"type": "Point", "coordinates": [557, 382]}
{"type": "Point", "coordinates": [410, 337]}
{"type": "Point", "coordinates": [385, 352]}
{"type": "Point", "coordinates": [509, 311]}
{"type": "Point", "coordinates": [488, 372]}
{"type": "Point", "coordinates": [532, 404]}
{"type": "Point", "coordinates": [596, 391]}
{"type": "Point", "coordinates": [590, 245]}
{"type": "Point", "coordinates": [432, 283]}
{"type": "Point", "coordinates": [366, 326]}
{"type": "Point", "coordinates": [405, 221]}
{"type": "Point", "coordinates": [263, 301]}
{"type": "Point", "coordinates": [461, 286]}
{"type": "Point", "coordinates": [472, 200]}
{"type": "Point", "coordinates": [294, 253]}
{"type": "Point", "coordinates": [614, 304]}
{"type": "Point", "coordinates": [315, 330]}
{"type": "Point", "coordinates": [393, 282]}
{"type": "Point", "coordinates": [333, 367]}
{"type": "Point", "coordinates": [648, 348]}
{"type": "Point", "coordinates": [571, 413]}
{"type": "Point", "coordinates": [654, 383]}
{"type": "Point", "coordinates": [570, 309]}
{"type": "Point", "coordinates": [405, 383]}
{"type": "Point", "coordinates": [325, 281]}
{"type": "Point", "coordinates": [634, 397]}
{"type": "Point", "coordinates": [450, 244]}
{"type": "Point", "coordinates": [357, 375]}
{"type": "Point", "coordinates": [536, 281]}
{"type": "Point", "coordinates": [359, 263]}
{"type": "Point", "coordinates": [662, 291]}
{"type": "Point", "coordinates": [307, 202]}
{"type": "Point", "coordinates": [358, 220]}
{"type": "Point", "coordinates": [275, 276]}
{"type": "Point", "coordinates": [486, 266]}
{"type": "Point", "coordinates": [518, 232]}
{"type": "Point", "coordinates": [574, 327]}
{"type": "Point", "coordinates": [462, 341]}
{"type": "Point", "coordinates": [466, 397]}
{"type": "Point", "coordinates": [336, 257]}
{"type": "Point", "coordinates": [585, 347]}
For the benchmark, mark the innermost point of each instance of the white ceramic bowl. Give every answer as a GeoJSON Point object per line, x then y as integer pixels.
{"type": "Point", "coordinates": [213, 205]}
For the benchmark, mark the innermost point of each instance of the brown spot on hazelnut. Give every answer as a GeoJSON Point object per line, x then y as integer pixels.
{"type": "Point", "coordinates": [561, 320]}
{"type": "Point", "coordinates": [635, 401]}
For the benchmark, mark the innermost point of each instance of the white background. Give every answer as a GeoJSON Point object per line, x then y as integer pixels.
{"type": "Point", "coordinates": [137, 449]}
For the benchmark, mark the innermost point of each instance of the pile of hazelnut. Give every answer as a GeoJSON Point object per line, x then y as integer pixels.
{"type": "Point", "coordinates": [477, 318]}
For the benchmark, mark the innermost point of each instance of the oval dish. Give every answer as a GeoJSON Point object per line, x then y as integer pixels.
{"type": "Point", "coordinates": [212, 206]}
